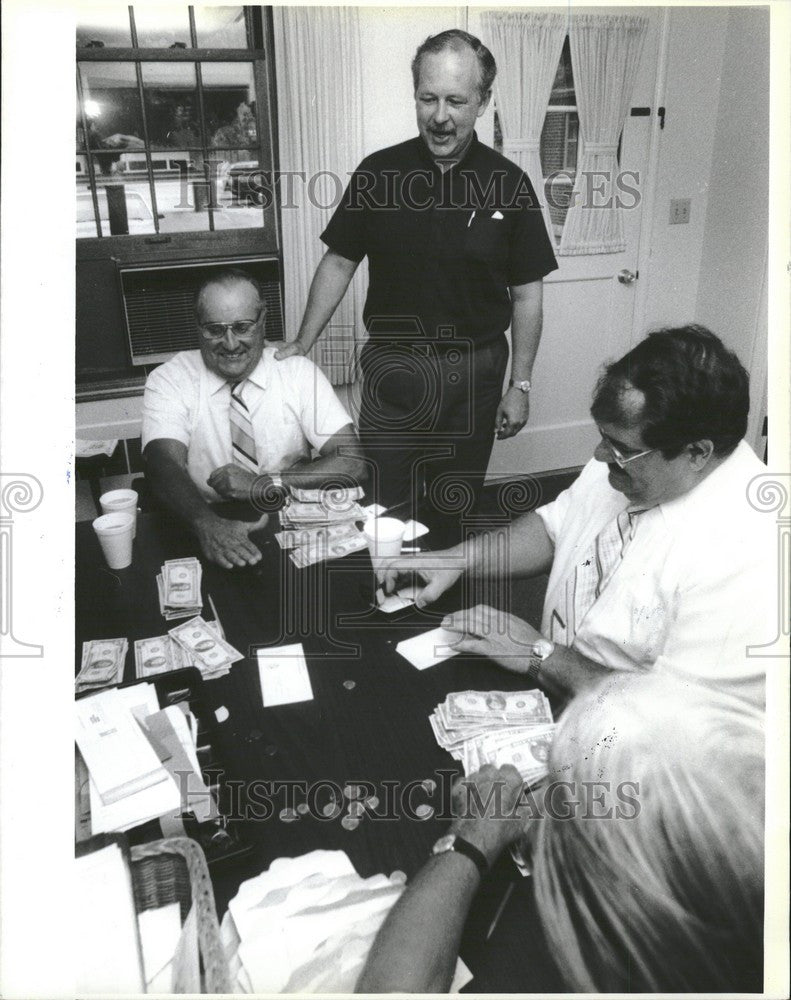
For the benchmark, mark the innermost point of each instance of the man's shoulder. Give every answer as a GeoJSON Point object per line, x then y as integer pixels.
{"type": "Point", "coordinates": [184, 366]}
{"type": "Point", "coordinates": [489, 159]}
{"type": "Point", "coordinates": [296, 370]}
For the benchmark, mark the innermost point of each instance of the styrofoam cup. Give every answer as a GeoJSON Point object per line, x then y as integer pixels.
{"type": "Point", "coordinates": [384, 536]}
{"type": "Point", "coordinates": [120, 500]}
{"type": "Point", "coordinates": [115, 532]}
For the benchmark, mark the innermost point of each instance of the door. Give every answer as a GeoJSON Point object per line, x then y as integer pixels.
{"type": "Point", "coordinates": [589, 302]}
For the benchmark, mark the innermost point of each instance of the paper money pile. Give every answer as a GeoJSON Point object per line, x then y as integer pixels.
{"type": "Point", "coordinates": [320, 524]}
{"type": "Point", "coordinates": [496, 727]}
{"type": "Point", "coordinates": [102, 664]}
{"type": "Point", "coordinates": [161, 654]}
{"type": "Point", "coordinates": [179, 590]}
{"type": "Point", "coordinates": [205, 648]}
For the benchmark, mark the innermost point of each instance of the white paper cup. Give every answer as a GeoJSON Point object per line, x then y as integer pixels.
{"type": "Point", "coordinates": [115, 532]}
{"type": "Point", "coordinates": [384, 536]}
{"type": "Point", "coordinates": [120, 500]}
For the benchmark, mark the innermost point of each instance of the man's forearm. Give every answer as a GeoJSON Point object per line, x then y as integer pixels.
{"type": "Point", "coordinates": [567, 671]}
{"type": "Point", "coordinates": [172, 485]}
{"type": "Point", "coordinates": [522, 548]}
{"type": "Point", "coordinates": [328, 287]}
{"type": "Point", "coordinates": [329, 470]}
{"type": "Point", "coordinates": [526, 325]}
{"type": "Point", "coordinates": [417, 946]}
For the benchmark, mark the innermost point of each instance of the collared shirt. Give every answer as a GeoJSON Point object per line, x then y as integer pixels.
{"type": "Point", "coordinates": [293, 408]}
{"type": "Point", "coordinates": [442, 248]}
{"type": "Point", "coordinates": [695, 587]}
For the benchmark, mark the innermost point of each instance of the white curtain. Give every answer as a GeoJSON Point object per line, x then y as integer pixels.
{"type": "Point", "coordinates": [605, 54]}
{"type": "Point", "coordinates": [319, 87]}
{"type": "Point", "coordinates": [526, 47]}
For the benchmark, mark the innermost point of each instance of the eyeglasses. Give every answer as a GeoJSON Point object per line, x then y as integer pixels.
{"type": "Point", "coordinates": [619, 459]}
{"type": "Point", "coordinates": [240, 329]}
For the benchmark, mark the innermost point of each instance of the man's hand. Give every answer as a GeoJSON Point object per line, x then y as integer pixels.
{"type": "Point", "coordinates": [486, 805]}
{"type": "Point", "coordinates": [289, 350]}
{"type": "Point", "coordinates": [487, 631]}
{"type": "Point", "coordinates": [227, 543]}
{"type": "Point", "coordinates": [437, 570]}
{"type": "Point", "coordinates": [232, 481]}
{"type": "Point", "coordinates": [512, 413]}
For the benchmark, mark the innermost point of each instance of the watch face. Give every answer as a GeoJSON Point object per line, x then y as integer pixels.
{"type": "Point", "coordinates": [444, 843]}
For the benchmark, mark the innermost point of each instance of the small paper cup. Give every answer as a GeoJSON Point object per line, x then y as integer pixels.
{"type": "Point", "coordinates": [120, 500]}
{"type": "Point", "coordinates": [384, 536]}
{"type": "Point", "coordinates": [115, 532]}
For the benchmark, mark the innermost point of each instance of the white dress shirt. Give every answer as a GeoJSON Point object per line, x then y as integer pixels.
{"type": "Point", "coordinates": [695, 588]}
{"type": "Point", "coordinates": [293, 409]}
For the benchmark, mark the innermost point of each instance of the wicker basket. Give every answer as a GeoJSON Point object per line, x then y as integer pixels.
{"type": "Point", "coordinates": [174, 871]}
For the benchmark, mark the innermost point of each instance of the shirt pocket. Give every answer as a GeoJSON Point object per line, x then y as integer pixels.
{"type": "Point", "coordinates": [487, 237]}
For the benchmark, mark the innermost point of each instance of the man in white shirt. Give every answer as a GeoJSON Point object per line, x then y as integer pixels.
{"type": "Point", "coordinates": [657, 560]}
{"type": "Point", "coordinates": [227, 422]}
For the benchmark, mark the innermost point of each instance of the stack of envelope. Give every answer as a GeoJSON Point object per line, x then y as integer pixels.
{"type": "Point", "coordinates": [306, 925]}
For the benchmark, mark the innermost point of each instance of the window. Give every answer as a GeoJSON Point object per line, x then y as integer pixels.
{"type": "Point", "coordinates": [173, 127]}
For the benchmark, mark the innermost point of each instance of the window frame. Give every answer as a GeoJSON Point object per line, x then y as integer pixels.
{"type": "Point", "coordinates": [209, 243]}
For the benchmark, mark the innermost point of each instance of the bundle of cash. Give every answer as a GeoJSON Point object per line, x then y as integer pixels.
{"type": "Point", "coordinates": [338, 497]}
{"type": "Point", "coordinates": [496, 727]}
{"type": "Point", "coordinates": [304, 514]}
{"type": "Point", "coordinates": [102, 664]}
{"type": "Point", "coordinates": [179, 587]}
{"type": "Point", "coordinates": [205, 648]}
{"type": "Point", "coordinates": [161, 654]}
{"type": "Point", "coordinates": [311, 545]}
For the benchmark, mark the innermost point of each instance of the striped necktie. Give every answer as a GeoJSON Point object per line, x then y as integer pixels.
{"type": "Point", "coordinates": [599, 564]}
{"type": "Point", "coordinates": [242, 437]}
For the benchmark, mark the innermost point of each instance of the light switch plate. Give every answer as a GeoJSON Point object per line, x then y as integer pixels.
{"type": "Point", "coordinates": [680, 211]}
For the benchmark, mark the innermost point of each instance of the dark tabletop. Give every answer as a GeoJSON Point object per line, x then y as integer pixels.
{"type": "Point", "coordinates": [373, 733]}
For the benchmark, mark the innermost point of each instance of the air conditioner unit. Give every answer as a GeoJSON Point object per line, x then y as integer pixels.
{"type": "Point", "coordinates": [159, 303]}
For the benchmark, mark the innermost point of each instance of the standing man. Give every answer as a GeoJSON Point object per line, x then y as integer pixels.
{"type": "Point", "coordinates": [457, 250]}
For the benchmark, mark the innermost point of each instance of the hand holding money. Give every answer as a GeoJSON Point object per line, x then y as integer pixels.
{"type": "Point", "coordinates": [487, 807]}
{"type": "Point", "coordinates": [487, 631]}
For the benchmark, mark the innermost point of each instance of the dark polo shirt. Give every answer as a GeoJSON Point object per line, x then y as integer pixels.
{"type": "Point", "coordinates": [442, 248]}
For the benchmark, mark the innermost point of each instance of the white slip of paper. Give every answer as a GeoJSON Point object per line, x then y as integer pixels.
{"type": "Point", "coordinates": [284, 676]}
{"type": "Point", "coordinates": [429, 648]}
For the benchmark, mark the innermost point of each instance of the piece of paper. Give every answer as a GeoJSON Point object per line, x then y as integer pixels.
{"type": "Point", "coordinates": [401, 599]}
{"type": "Point", "coordinates": [160, 930]}
{"type": "Point", "coordinates": [413, 530]}
{"type": "Point", "coordinates": [374, 509]}
{"type": "Point", "coordinates": [429, 648]}
{"type": "Point", "coordinates": [461, 977]}
{"type": "Point", "coordinates": [284, 675]}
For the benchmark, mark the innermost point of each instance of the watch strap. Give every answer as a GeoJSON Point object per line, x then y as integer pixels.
{"type": "Point", "coordinates": [462, 846]}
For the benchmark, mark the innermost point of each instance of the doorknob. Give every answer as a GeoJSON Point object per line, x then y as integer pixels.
{"type": "Point", "coordinates": [626, 277]}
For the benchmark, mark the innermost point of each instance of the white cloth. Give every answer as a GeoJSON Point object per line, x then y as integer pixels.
{"type": "Point", "coordinates": [695, 588]}
{"type": "Point", "coordinates": [293, 408]}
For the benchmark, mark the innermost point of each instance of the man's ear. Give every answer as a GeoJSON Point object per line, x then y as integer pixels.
{"type": "Point", "coordinates": [700, 453]}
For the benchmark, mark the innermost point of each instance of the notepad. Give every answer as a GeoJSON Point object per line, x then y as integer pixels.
{"type": "Point", "coordinates": [284, 675]}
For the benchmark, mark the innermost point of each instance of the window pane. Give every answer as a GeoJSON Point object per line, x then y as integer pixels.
{"type": "Point", "coordinates": [220, 27]}
{"type": "Point", "coordinates": [242, 190]}
{"type": "Point", "coordinates": [106, 24]}
{"type": "Point", "coordinates": [172, 110]}
{"type": "Point", "coordinates": [124, 205]}
{"type": "Point", "coordinates": [229, 105]}
{"type": "Point", "coordinates": [559, 141]}
{"type": "Point", "coordinates": [163, 26]}
{"type": "Point", "coordinates": [111, 105]}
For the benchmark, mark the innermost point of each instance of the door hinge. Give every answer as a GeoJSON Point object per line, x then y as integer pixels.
{"type": "Point", "coordinates": [661, 113]}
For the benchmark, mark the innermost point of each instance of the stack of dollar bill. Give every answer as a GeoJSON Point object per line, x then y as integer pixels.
{"type": "Point", "coordinates": [102, 664]}
{"type": "Point", "coordinates": [321, 524]}
{"type": "Point", "coordinates": [496, 727]}
{"type": "Point", "coordinates": [205, 648]}
{"type": "Point", "coordinates": [161, 654]}
{"type": "Point", "coordinates": [179, 588]}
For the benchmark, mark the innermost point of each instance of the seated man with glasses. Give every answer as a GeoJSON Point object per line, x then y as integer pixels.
{"type": "Point", "coordinates": [227, 422]}
{"type": "Point", "coordinates": [657, 559]}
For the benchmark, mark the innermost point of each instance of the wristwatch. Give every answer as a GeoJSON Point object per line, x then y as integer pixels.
{"type": "Point", "coordinates": [452, 842]}
{"type": "Point", "coordinates": [523, 386]}
{"type": "Point", "coordinates": [542, 650]}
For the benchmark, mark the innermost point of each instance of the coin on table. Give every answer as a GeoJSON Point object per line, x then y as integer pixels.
{"type": "Point", "coordinates": [303, 808]}
{"type": "Point", "coordinates": [430, 785]}
{"type": "Point", "coordinates": [288, 815]}
{"type": "Point", "coordinates": [424, 810]}
{"type": "Point", "coordinates": [350, 822]}
{"type": "Point", "coordinates": [331, 810]}
{"type": "Point", "coordinates": [349, 685]}
{"type": "Point", "coordinates": [371, 802]}
{"type": "Point", "coordinates": [398, 877]}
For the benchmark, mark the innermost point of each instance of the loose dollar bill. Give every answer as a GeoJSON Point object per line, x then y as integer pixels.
{"type": "Point", "coordinates": [302, 537]}
{"type": "Point", "coordinates": [298, 514]}
{"type": "Point", "coordinates": [161, 653]}
{"type": "Point", "coordinates": [309, 554]}
{"type": "Point", "coordinates": [339, 497]}
{"type": "Point", "coordinates": [102, 664]}
{"type": "Point", "coordinates": [208, 651]}
{"type": "Point", "coordinates": [513, 706]}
